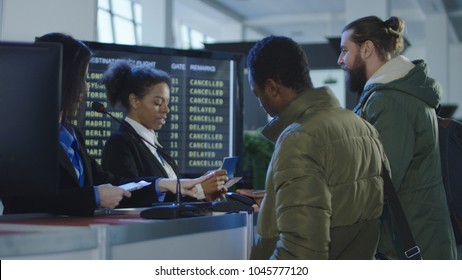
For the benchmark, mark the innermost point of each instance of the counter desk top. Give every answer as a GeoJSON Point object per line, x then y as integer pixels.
{"type": "Point", "coordinates": [124, 235]}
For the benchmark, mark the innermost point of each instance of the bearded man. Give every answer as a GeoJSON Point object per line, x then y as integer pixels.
{"type": "Point", "coordinates": [399, 99]}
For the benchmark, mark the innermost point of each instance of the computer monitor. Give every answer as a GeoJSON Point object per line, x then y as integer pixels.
{"type": "Point", "coordinates": [206, 112]}
{"type": "Point", "coordinates": [30, 90]}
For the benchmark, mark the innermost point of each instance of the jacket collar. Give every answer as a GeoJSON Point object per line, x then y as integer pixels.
{"type": "Point", "coordinates": [415, 82]}
{"type": "Point", "coordinates": [148, 134]}
{"type": "Point", "coordinates": [394, 69]}
{"type": "Point", "coordinates": [128, 129]}
{"type": "Point", "coordinates": [308, 100]}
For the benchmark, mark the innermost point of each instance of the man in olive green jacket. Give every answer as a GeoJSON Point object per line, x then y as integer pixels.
{"type": "Point", "coordinates": [324, 191]}
{"type": "Point", "coordinates": [399, 99]}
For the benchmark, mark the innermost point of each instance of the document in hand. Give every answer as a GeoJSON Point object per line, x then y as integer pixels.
{"type": "Point", "coordinates": [134, 185]}
{"type": "Point", "coordinates": [232, 181]}
{"type": "Point", "coordinates": [229, 164]}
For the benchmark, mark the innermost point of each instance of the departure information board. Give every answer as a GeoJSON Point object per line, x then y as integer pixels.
{"type": "Point", "coordinates": [204, 124]}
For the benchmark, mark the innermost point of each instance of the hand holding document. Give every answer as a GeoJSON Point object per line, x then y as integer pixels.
{"type": "Point", "coordinates": [229, 164]}
{"type": "Point", "coordinates": [232, 181]}
{"type": "Point", "coordinates": [134, 185]}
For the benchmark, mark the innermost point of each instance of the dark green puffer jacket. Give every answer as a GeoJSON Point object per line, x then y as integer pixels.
{"type": "Point", "coordinates": [324, 191]}
{"type": "Point", "coordinates": [403, 111]}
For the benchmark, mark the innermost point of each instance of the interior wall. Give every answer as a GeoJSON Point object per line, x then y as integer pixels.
{"type": "Point", "coordinates": [200, 16]}
{"type": "Point", "coordinates": [1, 17]}
{"type": "Point", "coordinates": [23, 20]}
{"type": "Point", "coordinates": [454, 91]}
{"type": "Point", "coordinates": [156, 17]}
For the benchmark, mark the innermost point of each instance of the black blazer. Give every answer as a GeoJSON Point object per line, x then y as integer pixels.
{"type": "Point", "coordinates": [125, 154]}
{"type": "Point", "coordinates": [71, 198]}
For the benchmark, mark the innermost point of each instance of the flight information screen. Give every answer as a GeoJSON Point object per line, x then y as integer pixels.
{"type": "Point", "coordinates": [204, 124]}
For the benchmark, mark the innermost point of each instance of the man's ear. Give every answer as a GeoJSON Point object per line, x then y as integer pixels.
{"type": "Point", "coordinates": [272, 87]}
{"type": "Point", "coordinates": [367, 49]}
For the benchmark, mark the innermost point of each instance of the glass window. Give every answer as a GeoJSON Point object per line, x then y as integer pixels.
{"type": "Point", "coordinates": [122, 8]}
{"type": "Point", "coordinates": [193, 39]}
{"type": "Point", "coordinates": [138, 13]}
{"type": "Point", "coordinates": [209, 40]}
{"type": "Point", "coordinates": [197, 39]}
{"type": "Point", "coordinates": [103, 4]}
{"type": "Point", "coordinates": [124, 31]}
{"type": "Point", "coordinates": [105, 27]}
{"type": "Point", "coordinates": [138, 34]}
{"type": "Point", "coordinates": [119, 21]}
{"type": "Point", "coordinates": [185, 41]}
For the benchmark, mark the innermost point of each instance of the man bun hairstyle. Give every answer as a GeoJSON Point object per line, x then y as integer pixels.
{"type": "Point", "coordinates": [387, 36]}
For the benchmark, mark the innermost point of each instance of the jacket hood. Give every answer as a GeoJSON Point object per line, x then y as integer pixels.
{"type": "Point", "coordinates": [313, 98]}
{"type": "Point", "coordinates": [416, 83]}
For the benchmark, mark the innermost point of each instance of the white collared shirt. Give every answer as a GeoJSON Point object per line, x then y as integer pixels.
{"type": "Point", "coordinates": [151, 136]}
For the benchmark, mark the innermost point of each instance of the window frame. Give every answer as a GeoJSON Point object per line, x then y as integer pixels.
{"type": "Point", "coordinates": [136, 24]}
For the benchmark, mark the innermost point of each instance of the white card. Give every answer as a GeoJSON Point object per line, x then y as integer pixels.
{"type": "Point", "coordinates": [134, 185]}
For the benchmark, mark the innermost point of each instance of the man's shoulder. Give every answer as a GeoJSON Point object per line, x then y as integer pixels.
{"type": "Point", "coordinates": [323, 122]}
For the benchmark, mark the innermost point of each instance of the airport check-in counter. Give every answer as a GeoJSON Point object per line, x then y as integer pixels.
{"type": "Point", "coordinates": [124, 235]}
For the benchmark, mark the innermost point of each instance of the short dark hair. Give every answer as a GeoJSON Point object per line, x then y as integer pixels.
{"type": "Point", "coordinates": [76, 56]}
{"type": "Point", "coordinates": [281, 59]}
{"type": "Point", "coordinates": [387, 36]}
{"type": "Point", "coordinates": [121, 79]}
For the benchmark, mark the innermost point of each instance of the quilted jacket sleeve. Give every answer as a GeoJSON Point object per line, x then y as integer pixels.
{"type": "Point", "coordinates": [301, 195]}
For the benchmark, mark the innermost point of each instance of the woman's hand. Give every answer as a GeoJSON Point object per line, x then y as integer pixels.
{"type": "Point", "coordinates": [110, 196]}
{"type": "Point", "coordinates": [210, 186]}
{"type": "Point", "coordinates": [214, 183]}
{"type": "Point", "coordinates": [188, 190]}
